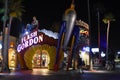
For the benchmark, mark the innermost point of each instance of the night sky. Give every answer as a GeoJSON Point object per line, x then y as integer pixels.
{"type": "Point", "coordinates": [51, 11]}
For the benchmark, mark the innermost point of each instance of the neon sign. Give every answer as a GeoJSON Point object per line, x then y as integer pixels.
{"type": "Point", "coordinates": [29, 40]}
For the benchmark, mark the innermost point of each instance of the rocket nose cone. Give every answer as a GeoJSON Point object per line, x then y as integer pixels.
{"type": "Point", "coordinates": [70, 20]}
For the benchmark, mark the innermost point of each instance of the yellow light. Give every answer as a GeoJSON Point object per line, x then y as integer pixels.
{"type": "Point", "coordinates": [11, 44]}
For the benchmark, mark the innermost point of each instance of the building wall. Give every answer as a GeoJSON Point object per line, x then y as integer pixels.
{"type": "Point", "coordinates": [11, 51]}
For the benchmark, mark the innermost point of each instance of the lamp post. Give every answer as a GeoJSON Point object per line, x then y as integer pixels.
{"type": "Point", "coordinates": [98, 14]}
{"type": "Point", "coordinates": [89, 22]}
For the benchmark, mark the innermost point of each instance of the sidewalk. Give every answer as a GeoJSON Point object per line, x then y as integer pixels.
{"type": "Point", "coordinates": [50, 72]}
{"type": "Point", "coordinates": [102, 69]}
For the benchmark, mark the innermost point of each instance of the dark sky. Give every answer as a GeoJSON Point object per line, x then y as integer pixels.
{"type": "Point", "coordinates": [50, 11]}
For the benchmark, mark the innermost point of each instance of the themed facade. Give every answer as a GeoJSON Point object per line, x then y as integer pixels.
{"type": "Point", "coordinates": [37, 50]}
{"type": "Point", "coordinates": [34, 50]}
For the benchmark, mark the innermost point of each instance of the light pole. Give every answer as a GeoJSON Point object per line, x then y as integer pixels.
{"type": "Point", "coordinates": [89, 22]}
{"type": "Point", "coordinates": [98, 14]}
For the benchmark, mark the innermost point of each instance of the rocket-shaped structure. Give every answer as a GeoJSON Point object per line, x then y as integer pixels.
{"type": "Point", "coordinates": [65, 32]}
{"type": "Point", "coordinates": [70, 18]}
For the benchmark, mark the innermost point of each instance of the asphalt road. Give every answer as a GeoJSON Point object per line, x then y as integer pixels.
{"type": "Point", "coordinates": [61, 75]}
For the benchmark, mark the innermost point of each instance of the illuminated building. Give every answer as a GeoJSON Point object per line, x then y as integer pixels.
{"type": "Point", "coordinates": [34, 50]}
{"type": "Point", "coordinates": [37, 49]}
{"type": "Point", "coordinates": [12, 53]}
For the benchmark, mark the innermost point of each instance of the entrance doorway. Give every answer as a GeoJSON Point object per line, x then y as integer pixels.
{"type": "Point", "coordinates": [40, 59]}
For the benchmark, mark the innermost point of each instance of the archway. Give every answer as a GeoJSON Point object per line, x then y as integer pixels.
{"type": "Point", "coordinates": [46, 49]}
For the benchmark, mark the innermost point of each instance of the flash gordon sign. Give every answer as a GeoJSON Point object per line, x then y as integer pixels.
{"type": "Point", "coordinates": [29, 40]}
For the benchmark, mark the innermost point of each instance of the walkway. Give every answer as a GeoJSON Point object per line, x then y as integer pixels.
{"type": "Point", "coordinates": [50, 72]}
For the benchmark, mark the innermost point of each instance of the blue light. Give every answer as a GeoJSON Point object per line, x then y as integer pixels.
{"type": "Point", "coordinates": [26, 32]}
{"type": "Point", "coordinates": [118, 52]}
{"type": "Point", "coordinates": [87, 49]}
{"type": "Point", "coordinates": [0, 46]}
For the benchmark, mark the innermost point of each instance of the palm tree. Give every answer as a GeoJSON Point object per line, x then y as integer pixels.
{"type": "Point", "coordinates": [12, 9]}
{"type": "Point", "coordinates": [107, 19]}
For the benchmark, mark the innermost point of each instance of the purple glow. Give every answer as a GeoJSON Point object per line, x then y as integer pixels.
{"type": "Point", "coordinates": [29, 40]}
